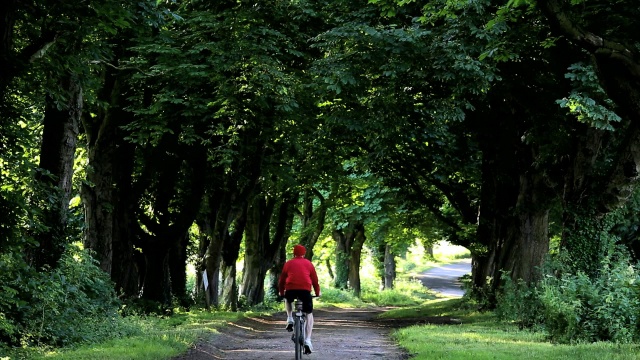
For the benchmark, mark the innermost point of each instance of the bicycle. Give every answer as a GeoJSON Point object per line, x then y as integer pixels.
{"type": "Point", "coordinates": [299, 330]}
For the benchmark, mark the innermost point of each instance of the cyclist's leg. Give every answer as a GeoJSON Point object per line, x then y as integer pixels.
{"type": "Point", "coordinates": [289, 298]}
{"type": "Point", "coordinates": [307, 307]}
{"type": "Point", "coordinates": [309, 326]}
{"type": "Point", "coordinates": [288, 308]}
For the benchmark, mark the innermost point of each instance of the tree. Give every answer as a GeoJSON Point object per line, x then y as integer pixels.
{"type": "Point", "coordinates": [471, 149]}
{"type": "Point", "coordinates": [60, 134]}
{"type": "Point", "coordinates": [616, 65]}
{"type": "Point", "coordinates": [109, 196]}
{"type": "Point", "coordinates": [46, 39]}
{"type": "Point", "coordinates": [402, 85]}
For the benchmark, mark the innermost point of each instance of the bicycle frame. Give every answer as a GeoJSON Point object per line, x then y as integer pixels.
{"type": "Point", "coordinates": [299, 329]}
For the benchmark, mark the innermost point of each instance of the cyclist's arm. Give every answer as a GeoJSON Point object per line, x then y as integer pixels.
{"type": "Point", "coordinates": [283, 279]}
{"type": "Point", "coordinates": [314, 280]}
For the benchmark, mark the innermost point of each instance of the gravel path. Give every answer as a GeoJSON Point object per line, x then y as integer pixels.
{"type": "Point", "coordinates": [339, 334]}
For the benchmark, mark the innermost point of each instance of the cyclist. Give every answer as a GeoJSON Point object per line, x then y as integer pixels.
{"type": "Point", "coordinates": [297, 278]}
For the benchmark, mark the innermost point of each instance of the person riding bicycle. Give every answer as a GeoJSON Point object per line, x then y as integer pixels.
{"type": "Point", "coordinates": [297, 277]}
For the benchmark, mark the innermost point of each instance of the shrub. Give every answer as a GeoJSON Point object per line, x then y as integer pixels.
{"type": "Point", "coordinates": [575, 307]}
{"type": "Point", "coordinates": [17, 280]}
{"type": "Point", "coordinates": [603, 307]}
{"type": "Point", "coordinates": [519, 303]}
{"type": "Point", "coordinates": [75, 302]}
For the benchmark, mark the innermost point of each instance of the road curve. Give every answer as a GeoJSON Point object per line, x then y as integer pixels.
{"type": "Point", "coordinates": [445, 279]}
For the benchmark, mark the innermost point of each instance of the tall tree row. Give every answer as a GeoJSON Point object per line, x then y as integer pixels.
{"type": "Point", "coordinates": [535, 149]}
{"type": "Point", "coordinates": [494, 126]}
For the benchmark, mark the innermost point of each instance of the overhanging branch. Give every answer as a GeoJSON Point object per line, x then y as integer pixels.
{"type": "Point", "coordinates": [38, 48]}
{"type": "Point", "coordinates": [597, 45]}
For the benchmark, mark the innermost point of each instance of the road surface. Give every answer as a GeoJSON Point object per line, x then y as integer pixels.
{"type": "Point", "coordinates": [445, 279]}
{"type": "Point", "coordinates": [339, 334]}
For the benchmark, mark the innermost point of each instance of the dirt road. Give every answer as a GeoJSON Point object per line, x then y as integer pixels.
{"type": "Point", "coordinates": [445, 279]}
{"type": "Point", "coordinates": [339, 334]}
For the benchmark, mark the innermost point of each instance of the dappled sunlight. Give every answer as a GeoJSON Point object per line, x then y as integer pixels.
{"type": "Point", "coordinates": [271, 352]}
{"type": "Point", "coordinates": [209, 354]}
{"type": "Point", "coordinates": [257, 325]}
{"type": "Point", "coordinates": [470, 334]}
{"type": "Point", "coordinates": [350, 310]}
{"type": "Point", "coordinates": [340, 323]}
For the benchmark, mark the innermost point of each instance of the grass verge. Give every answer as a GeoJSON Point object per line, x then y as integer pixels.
{"type": "Point", "coordinates": [147, 337]}
{"type": "Point", "coordinates": [480, 336]}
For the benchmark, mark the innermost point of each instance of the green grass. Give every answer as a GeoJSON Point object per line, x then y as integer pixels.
{"type": "Point", "coordinates": [480, 336]}
{"type": "Point", "coordinates": [405, 293]}
{"type": "Point", "coordinates": [339, 298]}
{"type": "Point", "coordinates": [443, 252]}
{"type": "Point", "coordinates": [138, 347]}
{"type": "Point", "coordinates": [148, 338]}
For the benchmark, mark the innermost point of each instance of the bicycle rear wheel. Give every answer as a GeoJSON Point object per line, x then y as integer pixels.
{"type": "Point", "coordinates": [298, 340]}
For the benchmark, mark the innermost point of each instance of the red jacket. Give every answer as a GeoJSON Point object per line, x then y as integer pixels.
{"type": "Point", "coordinates": [298, 274]}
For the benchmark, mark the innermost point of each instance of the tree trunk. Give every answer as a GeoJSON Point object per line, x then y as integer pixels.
{"type": "Point", "coordinates": [519, 255]}
{"type": "Point", "coordinates": [204, 230]}
{"type": "Point", "coordinates": [179, 184]}
{"type": "Point", "coordinates": [482, 264]}
{"type": "Point", "coordinates": [141, 268]}
{"type": "Point", "coordinates": [177, 266]}
{"type": "Point", "coordinates": [57, 157]}
{"type": "Point", "coordinates": [108, 195]}
{"type": "Point", "coordinates": [157, 282]}
{"type": "Point", "coordinates": [531, 246]}
{"type": "Point", "coordinates": [284, 223]}
{"type": "Point", "coordinates": [588, 196]}
{"type": "Point", "coordinates": [312, 220]}
{"type": "Point", "coordinates": [520, 241]}
{"type": "Point", "coordinates": [380, 254]}
{"type": "Point", "coordinates": [261, 250]}
{"type": "Point", "coordinates": [354, 259]}
{"type": "Point", "coordinates": [349, 245]}
{"type": "Point", "coordinates": [578, 200]}
{"type": "Point", "coordinates": [389, 267]}
{"type": "Point", "coordinates": [124, 272]}
{"type": "Point", "coordinates": [230, 254]}
{"type": "Point", "coordinates": [276, 270]}
{"type": "Point", "coordinates": [98, 197]}
{"type": "Point", "coordinates": [329, 268]}
{"type": "Point", "coordinates": [256, 258]}
{"type": "Point", "coordinates": [513, 219]}
{"type": "Point", "coordinates": [212, 261]}
{"type": "Point", "coordinates": [229, 288]}
{"type": "Point", "coordinates": [99, 193]}
{"type": "Point", "coordinates": [429, 250]}
{"type": "Point", "coordinates": [342, 259]}
{"type": "Point", "coordinates": [231, 209]}
{"type": "Point", "coordinates": [220, 212]}
{"type": "Point", "coordinates": [498, 198]}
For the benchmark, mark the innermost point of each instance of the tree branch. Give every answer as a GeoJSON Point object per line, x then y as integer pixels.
{"type": "Point", "coordinates": [38, 48]}
{"type": "Point", "coordinates": [595, 44]}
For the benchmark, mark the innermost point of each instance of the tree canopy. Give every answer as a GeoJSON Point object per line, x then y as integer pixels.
{"type": "Point", "coordinates": [160, 132]}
